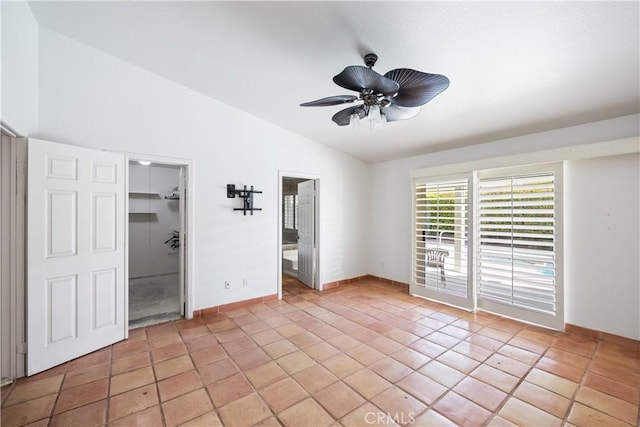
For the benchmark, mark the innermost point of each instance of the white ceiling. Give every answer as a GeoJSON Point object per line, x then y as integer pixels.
{"type": "Point", "coordinates": [515, 68]}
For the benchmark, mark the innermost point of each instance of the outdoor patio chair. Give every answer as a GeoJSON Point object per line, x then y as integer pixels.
{"type": "Point", "coordinates": [435, 258]}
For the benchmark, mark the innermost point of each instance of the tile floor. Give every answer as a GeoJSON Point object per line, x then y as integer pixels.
{"type": "Point", "coordinates": [361, 354]}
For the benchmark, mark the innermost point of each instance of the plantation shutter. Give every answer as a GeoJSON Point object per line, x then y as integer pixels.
{"type": "Point", "coordinates": [441, 246]}
{"type": "Point", "coordinates": [518, 249]}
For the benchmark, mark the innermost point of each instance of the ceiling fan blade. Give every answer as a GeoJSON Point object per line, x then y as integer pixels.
{"type": "Point", "coordinates": [359, 78]}
{"type": "Point", "coordinates": [330, 100]}
{"type": "Point", "coordinates": [416, 88]}
{"type": "Point", "coordinates": [395, 112]}
{"type": "Point", "coordinates": [342, 117]}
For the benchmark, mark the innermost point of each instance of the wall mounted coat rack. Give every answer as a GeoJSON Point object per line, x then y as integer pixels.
{"type": "Point", "coordinates": [246, 195]}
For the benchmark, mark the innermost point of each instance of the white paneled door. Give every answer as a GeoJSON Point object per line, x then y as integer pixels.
{"type": "Point", "coordinates": [306, 232]}
{"type": "Point", "coordinates": [76, 285]}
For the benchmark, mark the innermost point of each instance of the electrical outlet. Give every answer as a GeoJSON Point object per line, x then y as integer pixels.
{"type": "Point", "coordinates": [227, 285]}
{"type": "Point", "coordinates": [244, 283]}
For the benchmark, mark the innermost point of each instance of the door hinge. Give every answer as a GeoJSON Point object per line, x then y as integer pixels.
{"type": "Point", "coordinates": [22, 348]}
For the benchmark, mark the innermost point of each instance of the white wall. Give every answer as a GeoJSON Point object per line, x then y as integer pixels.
{"type": "Point", "coordinates": [148, 254]}
{"type": "Point", "coordinates": [91, 99]}
{"type": "Point", "coordinates": [19, 81]}
{"type": "Point", "coordinates": [390, 248]}
{"type": "Point", "coordinates": [602, 232]}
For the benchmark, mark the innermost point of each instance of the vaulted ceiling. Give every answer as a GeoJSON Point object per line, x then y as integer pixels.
{"type": "Point", "coordinates": [515, 67]}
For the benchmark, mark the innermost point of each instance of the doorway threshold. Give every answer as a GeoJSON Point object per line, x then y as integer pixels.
{"type": "Point", "coordinates": [155, 319]}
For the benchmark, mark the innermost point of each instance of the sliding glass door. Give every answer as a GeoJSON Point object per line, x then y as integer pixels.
{"type": "Point", "coordinates": [492, 240]}
{"type": "Point", "coordinates": [442, 248]}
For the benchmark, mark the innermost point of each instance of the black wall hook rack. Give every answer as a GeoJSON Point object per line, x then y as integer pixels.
{"type": "Point", "coordinates": [246, 195]}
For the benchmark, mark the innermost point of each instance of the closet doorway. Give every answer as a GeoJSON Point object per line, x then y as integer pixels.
{"type": "Point", "coordinates": [157, 231]}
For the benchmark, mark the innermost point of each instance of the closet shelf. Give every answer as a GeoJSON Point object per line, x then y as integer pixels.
{"type": "Point", "coordinates": [144, 193]}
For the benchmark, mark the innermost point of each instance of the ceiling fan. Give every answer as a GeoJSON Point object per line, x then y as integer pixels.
{"type": "Point", "coordinates": [395, 96]}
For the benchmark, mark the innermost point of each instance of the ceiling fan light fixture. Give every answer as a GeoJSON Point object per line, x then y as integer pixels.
{"type": "Point", "coordinates": [374, 114]}
{"type": "Point", "coordinates": [354, 121]}
{"type": "Point", "coordinates": [377, 120]}
{"type": "Point", "coordinates": [398, 95]}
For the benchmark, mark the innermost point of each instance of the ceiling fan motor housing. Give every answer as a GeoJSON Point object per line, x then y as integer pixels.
{"type": "Point", "coordinates": [370, 59]}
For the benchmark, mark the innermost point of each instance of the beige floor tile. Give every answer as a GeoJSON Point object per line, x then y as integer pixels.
{"type": "Point", "coordinates": [265, 374]}
{"type": "Point", "coordinates": [130, 380]}
{"type": "Point", "coordinates": [339, 399]}
{"type": "Point", "coordinates": [306, 413]}
{"type": "Point", "coordinates": [295, 362]}
{"type": "Point", "coordinates": [266, 337]}
{"type": "Point", "coordinates": [411, 358]}
{"type": "Point", "coordinates": [282, 394]}
{"type": "Point", "coordinates": [246, 411]}
{"type": "Point", "coordinates": [342, 365]}
{"type": "Point", "coordinates": [522, 413]}
{"type": "Point", "coordinates": [480, 393]}
{"type": "Point", "coordinates": [148, 417]}
{"type": "Point", "coordinates": [208, 355]}
{"type": "Point", "coordinates": [367, 383]}
{"type": "Point", "coordinates": [552, 383]}
{"type": "Point", "coordinates": [432, 418]}
{"type": "Point", "coordinates": [369, 415]}
{"type": "Point", "coordinates": [390, 369]}
{"type": "Point", "coordinates": [602, 402]}
{"type": "Point", "coordinates": [229, 389]}
{"type": "Point", "coordinates": [544, 399]}
{"type": "Point", "coordinates": [399, 404]}
{"type": "Point", "coordinates": [461, 410]}
{"type": "Point", "coordinates": [279, 348]}
{"type": "Point", "coordinates": [560, 369]}
{"type": "Point", "coordinates": [130, 363]}
{"type": "Point", "coordinates": [321, 351]}
{"type": "Point", "coordinates": [132, 401]}
{"type": "Point", "coordinates": [28, 411]}
{"type": "Point", "coordinates": [94, 414]}
{"type": "Point", "coordinates": [442, 373]}
{"type": "Point", "coordinates": [458, 361]}
{"type": "Point", "coordinates": [584, 416]}
{"type": "Point", "coordinates": [216, 371]}
{"type": "Point", "coordinates": [81, 395]}
{"type": "Point", "coordinates": [365, 355]}
{"type": "Point", "coordinates": [186, 407]}
{"type": "Point", "coordinates": [168, 352]}
{"type": "Point", "coordinates": [24, 391]}
{"type": "Point", "coordinates": [179, 385]}
{"type": "Point", "coordinates": [239, 345]}
{"type": "Point", "coordinates": [250, 359]}
{"type": "Point", "coordinates": [495, 377]}
{"type": "Point", "coordinates": [210, 419]}
{"type": "Point", "coordinates": [304, 339]}
{"type": "Point", "coordinates": [172, 367]}
{"type": "Point", "coordinates": [343, 342]}
{"type": "Point", "coordinates": [421, 387]}
{"type": "Point", "coordinates": [613, 388]}
{"type": "Point", "coordinates": [315, 378]}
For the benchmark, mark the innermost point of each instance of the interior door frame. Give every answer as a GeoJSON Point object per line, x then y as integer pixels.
{"type": "Point", "coordinates": [288, 174]}
{"type": "Point", "coordinates": [188, 166]}
{"type": "Point", "coordinates": [17, 270]}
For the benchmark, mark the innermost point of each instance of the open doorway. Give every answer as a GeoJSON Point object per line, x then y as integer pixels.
{"type": "Point", "coordinates": [298, 230]}
{"type": "Point", "coordinates": [156, 249]}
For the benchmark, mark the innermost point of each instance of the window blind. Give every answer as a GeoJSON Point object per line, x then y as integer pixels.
{"type": "Point", "coordinates": [441, 231]}
{"type": "Point", "coordinates": [516, 261]}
